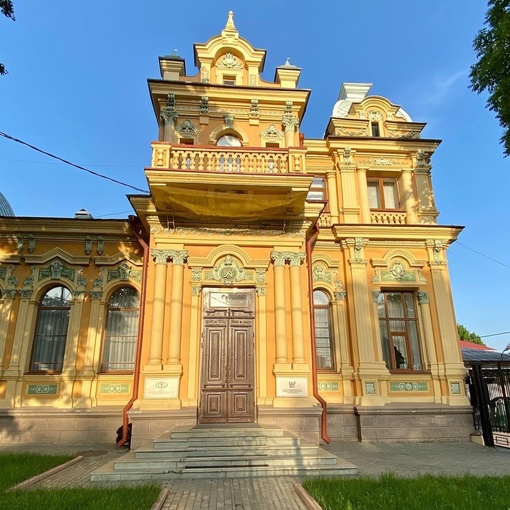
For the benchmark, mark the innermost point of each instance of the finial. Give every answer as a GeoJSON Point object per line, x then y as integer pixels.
{"type": "Point", "coordinates": [174, 53]}
{"type": "Point", "coordinates": [287, 62]}
{"type": "Point", "coordinates": [230, 22]}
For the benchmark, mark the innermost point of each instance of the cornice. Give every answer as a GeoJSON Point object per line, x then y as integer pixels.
{"type": "Point", "coordinates": [397, 232]}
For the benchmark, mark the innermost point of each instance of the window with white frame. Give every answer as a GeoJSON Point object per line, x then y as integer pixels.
{"type": "Point", "coordinates": [51, 331]}
{"type": "Point", "coordinates": [383, 193]}
{"type": "Point", "coordinates": [323, 331]}
{"type": "Point", "coordinates": [398, 323]}
{"type": "Point", "coordinates": [121, 331]}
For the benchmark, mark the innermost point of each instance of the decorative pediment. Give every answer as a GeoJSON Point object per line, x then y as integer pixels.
{"type": "Point", "coordinates": [229, 271]}
{"type": "Point", "coordinates": [187, 128]}
{"type": "Point", "coordinates": [124, 272]}
{"type": "Point", "coordinates": [398, 269]}
{"type": "Point", "coordinates": [57, 253]}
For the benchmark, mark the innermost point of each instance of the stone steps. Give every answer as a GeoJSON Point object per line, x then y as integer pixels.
{"type": "Point", "coordinates": [224, 452]}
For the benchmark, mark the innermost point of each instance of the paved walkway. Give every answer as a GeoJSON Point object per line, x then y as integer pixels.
{"type": "Point", "coordinates": [403, 459]}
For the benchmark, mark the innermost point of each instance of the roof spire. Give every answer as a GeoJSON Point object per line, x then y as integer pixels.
{"type": "Point", "coordinates": [230, 22]}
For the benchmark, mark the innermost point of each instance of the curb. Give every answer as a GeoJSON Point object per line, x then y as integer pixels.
{"type": "Point", "coordinates": [158, 504]}
{"type": "Point", "coordinates": [46, 474]}
{"type": "Point", "coordinates": [308, 501]}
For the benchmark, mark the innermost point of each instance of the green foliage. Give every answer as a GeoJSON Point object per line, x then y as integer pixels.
{"type": "Point", "coordinates": [465, 334]}
{"type": "Point", "coordinates": [391, 493]}
{"type": "Point", "coordinates": [492, 71]}
{"type": "Point", "coordinates": [15, 468]}
{"type": "Point", "coordinates": [7, 9]}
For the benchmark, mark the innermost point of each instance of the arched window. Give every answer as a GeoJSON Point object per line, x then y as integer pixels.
{"type": "Point", "coordinates": [229, 141]}
{"type": "Point", "coordinates": [51, 331]}
{"type": "Point", "coordinates": [121, 330]}
{"type": "Point", "coordinates": [323, 331]}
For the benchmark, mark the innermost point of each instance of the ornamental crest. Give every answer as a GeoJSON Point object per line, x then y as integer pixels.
{"type": "Point", "coordinates": [56, 271]}
{"type": "Point", "coordinates": [271, 132]}
{"type": "Point", "coordinates": [320, 274]}
{"type": "Point", "coordinates": [187, 128]}
{"type": "Point", "coordinates": [124, 272]}
{"type": "Point", "coordinates": [228, 272]}
{"type": "Point", "coordinates": [229, 61]}
{"type": "Point", "coordinates": [398, 272]}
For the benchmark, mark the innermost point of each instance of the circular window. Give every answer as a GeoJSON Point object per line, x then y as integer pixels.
{"type": "Point", "coordinates": [229, 141]}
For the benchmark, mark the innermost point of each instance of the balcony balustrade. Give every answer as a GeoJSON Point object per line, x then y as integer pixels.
{"type": "Point", "coordinates": [388, 218]}
{"type": "Point", "coordinates": [227, 159]}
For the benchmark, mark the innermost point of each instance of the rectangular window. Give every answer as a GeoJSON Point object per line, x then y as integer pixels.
{"type": "Point", "coordinates": [323, 331]}
{"type": "Point", "coordinates": [229, 80]}
{"type": "Point", "coordinates": [399, 331]}
{"type": "Point", "coordinates": [374, 126]}
{"type": "Point", "coordinates": [382, 193]}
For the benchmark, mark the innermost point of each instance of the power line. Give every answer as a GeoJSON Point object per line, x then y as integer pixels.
{"type": "Point", "coordinates": [494, 334]}
{"type": "Point", "coordinates": [483, 255]}
{"type": "Point", "coordinates": [479, 267]}
{"type": "Point", "coordinates": [17, 140]}
{"type": "Point", "coordinates": [50, 163]}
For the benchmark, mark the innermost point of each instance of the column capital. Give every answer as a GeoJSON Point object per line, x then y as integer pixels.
{"type": "Point", "coordinates": [160, 256]}
{"type": "Point", "coordinates": [340, 295]}
{"type": "Point", "coordinates": [375, 295]}
{"type": "Point", "coordinates": [278, 258]}
{"type": "Point", "coordinates": [295, 258]}
{"type": "Point", "coordinates": [178, 256]}
{"type": "Point", "coordinates": [423, 297]}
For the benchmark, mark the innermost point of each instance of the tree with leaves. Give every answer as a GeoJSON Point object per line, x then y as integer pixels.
{"type": "Point", "coordinates": [7, 10]}
{"type": "Point", "coordinates": [468, 336]}
{"type": "Point", "coordinates": [492, 71]}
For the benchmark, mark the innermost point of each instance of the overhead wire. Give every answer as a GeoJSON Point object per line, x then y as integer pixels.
{"type": "Point", "coordinates": [79, 167]}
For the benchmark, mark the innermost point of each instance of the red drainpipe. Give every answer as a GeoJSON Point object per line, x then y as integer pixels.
{"type": "Point", "coordinates": [138, 356]}
{"type": "Point", "coordinates": [324, 416]}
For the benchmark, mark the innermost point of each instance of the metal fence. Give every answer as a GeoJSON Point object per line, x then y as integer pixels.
{"type": "Point", "coordinates": [489, 390]}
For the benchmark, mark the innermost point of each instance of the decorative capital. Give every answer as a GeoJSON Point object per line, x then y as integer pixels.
{"type": "Point", "coordinates": [295, 258]}
{"type": "Point", "coordinates": [178, 256]}
{"type": "Point", "coordinates": [278, 258]}
{"type": "Point", "coordinates": [196, 290]}
{"type": "Point", "coordinates": [340, 295]}
{"type": "Point", "coordinates": [169, 114]}
{"type": "Point", "coordinates": [375, 295]}
{"type": "Point", "coordinates": [423, 297]}
{"type": "Point", "coordinates": [26, 293]}
{"type": "Point", "coordinates": [160, 256]}
{"type": "Point", "coordinates": [9, 293]}
{"type": "Point", "coordinates": [260, 290]}
{"type": "Point", "coordinates": [196, 274]}
{"type": "Point", "coordinates": [96, 294]}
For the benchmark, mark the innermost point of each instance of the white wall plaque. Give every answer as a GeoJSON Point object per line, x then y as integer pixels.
{"type": "Point", "coordinates": [292, 386]}
{"type": "Point", "coordinates": [161, 387]}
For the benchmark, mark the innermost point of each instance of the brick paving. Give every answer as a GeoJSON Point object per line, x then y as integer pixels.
{"type": "Point", "coordinates": [372, 459]}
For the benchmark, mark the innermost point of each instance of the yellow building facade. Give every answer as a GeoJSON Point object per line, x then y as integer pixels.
{"type": "Point", "coordinates": [267, 278]}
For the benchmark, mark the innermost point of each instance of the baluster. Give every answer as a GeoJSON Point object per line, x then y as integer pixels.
{"type": "Point", "coordinates": [238, 163]}
{"type": "Point", "coordinates": [230, 162]}
{"type": "Point", "coordinates": [200, 156]}
{"type": "Point", "coordinates": [270, 165]}
{"type": "Point", "coordinates": [222, 162]}
{"type": "Point", "coordinates": [251, 160]}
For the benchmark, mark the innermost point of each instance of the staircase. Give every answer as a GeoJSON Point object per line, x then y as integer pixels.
{"type": "Point", "coordinates": [223, 452]}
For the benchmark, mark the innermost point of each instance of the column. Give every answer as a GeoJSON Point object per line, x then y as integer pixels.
{"type": "Point", "coordinates": [5, 315]}
{"type": "Point", "coordinates": [377, 330]}
{"type": "Point", "coordinates": [298, 342]}
{"type": "Point", "coordinates": [194, 342]}
{"type": "Point", "coordinates": [174, 350]}
{"type": "Point", "coordinates": [428, 332]}
{"type": "Point", "coordinates": [279, 304]}
{"type": "Point", "coordinates": [341, 344]}
{"type": "Point", "coordinates": [289, 123]}
{"type": "Point", "coordinates": [158, 308]}
{"type": "Point", "coordinates": [332, 196]}
{"type": "Point", "coordinates": [407, 193]}
{"type": "Point", "coordinates": [363, 196]}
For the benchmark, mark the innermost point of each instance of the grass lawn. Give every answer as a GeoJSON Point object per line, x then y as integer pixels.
{"type": "Point", "coordinates": [425, 493]}
{"type": "Point", "coordinates": [15, 468]}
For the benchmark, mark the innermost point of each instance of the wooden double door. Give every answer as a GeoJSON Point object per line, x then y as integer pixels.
{"type": "Point", "coordinates": [227, 393]}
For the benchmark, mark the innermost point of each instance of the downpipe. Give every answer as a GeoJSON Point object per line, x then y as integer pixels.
{"type": "Point", "coordinates": [324, 416]}
{"type": "Point", "coordinates": [126, 433]}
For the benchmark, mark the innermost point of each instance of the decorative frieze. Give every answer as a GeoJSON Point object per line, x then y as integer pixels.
{"type": "Point", "coordinates": [113, 388]}
{"type": "Point", "coordinates": [56, 271]}
{"type": "Point", "coordinates": [42, 389]}
{"type": "Point", "coordinates": [328, 386]}
{"type": "Point", "coordinates": [409, 386]}
{"type": "Point", "coordinates": [124, 273]}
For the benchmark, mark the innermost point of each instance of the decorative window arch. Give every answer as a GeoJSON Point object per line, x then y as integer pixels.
{"type": "Point", "coordinates": [121, 332]}
{"type": "Point", "coordinates": [51, 330]}
{"type": "Point", "coordinates": [323, 330]}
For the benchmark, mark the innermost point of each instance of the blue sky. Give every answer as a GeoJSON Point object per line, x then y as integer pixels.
{"type": "Point", "coordinates": [77, 88]}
